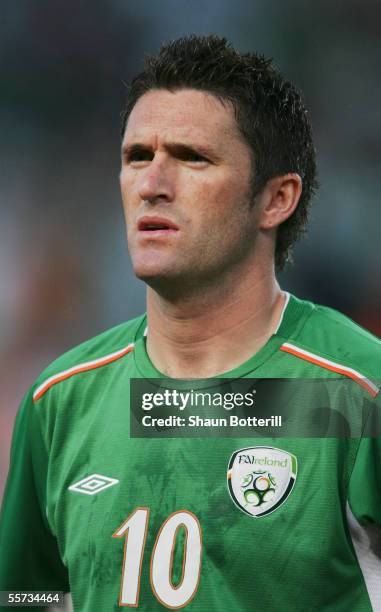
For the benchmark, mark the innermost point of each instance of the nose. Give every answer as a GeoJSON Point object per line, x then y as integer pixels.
{"type": "Point", "coordinates": [157, 181]}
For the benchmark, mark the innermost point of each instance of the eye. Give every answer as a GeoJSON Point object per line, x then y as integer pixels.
{"type": "Point", "coordinates": [192, 157]}
{"type": "Point", "coordinates": [134, 156]}
{"type": "Point", "coordinates": [141, 156]}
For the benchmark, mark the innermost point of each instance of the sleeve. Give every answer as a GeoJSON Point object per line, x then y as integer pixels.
{"type": "Point", "coordinates": [364, 495]}
{"type": "Point", "coordinates": [364, 502]}
{"type": "Point", "coordinates": [29, 556]}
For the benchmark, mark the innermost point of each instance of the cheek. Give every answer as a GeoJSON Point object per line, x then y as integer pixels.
{"type": "Point", "coordinates": [127, 191]}
{"type": "Point", "coordinates": [222, 200]}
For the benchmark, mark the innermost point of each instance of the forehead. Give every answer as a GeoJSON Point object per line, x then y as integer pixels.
{"type": "Point", "coordinates": [186, 114]}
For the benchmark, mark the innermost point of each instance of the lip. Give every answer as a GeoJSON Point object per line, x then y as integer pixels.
{"type": "Point", "coordinates": [152, 225]}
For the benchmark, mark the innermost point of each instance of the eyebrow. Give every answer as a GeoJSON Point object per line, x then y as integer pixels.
{"type": "Point", "coordinates": [177, 149]}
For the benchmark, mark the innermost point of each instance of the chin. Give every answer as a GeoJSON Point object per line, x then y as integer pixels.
{"type": "Point", "coordinates": [150, 263]}
{"type": "Point", "coordinates": [154, 272]}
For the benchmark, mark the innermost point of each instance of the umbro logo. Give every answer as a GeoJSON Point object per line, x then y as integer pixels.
{"type": "Point", "coordinates": [93, 484]}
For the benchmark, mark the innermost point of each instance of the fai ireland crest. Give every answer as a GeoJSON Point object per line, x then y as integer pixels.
{"type": "Point", "coordinates": [260, 478]}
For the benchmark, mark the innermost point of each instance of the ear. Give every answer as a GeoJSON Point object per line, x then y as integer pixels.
{"type": "Point", "coordinates": [279, 199]}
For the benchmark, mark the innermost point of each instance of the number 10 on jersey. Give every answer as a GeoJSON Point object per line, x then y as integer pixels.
{"type": "Point", "coordinates": [134, 529]}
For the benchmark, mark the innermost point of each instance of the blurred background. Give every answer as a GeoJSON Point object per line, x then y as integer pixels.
{"type": "Point", "coordinates": [64, 268]}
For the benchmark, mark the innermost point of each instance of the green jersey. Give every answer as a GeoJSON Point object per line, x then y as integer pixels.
{"type": "Point", "coordinates": [208, 524]}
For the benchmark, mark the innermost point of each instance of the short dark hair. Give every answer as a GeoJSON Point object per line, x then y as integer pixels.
{"type": "Point", "coordinates": [269, 112]}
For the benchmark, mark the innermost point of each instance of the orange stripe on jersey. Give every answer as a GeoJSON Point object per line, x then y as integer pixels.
{"type": "Point", "coordinates": [82, 367]}
{"type": "Point", "coordinates": [331, 365]}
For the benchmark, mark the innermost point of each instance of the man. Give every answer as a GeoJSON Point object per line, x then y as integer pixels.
{"type": "Point", "coordinates": [218, 170]}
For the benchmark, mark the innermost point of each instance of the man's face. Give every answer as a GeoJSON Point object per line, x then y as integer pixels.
{"type": "Point", "coordinates": [186, 189]}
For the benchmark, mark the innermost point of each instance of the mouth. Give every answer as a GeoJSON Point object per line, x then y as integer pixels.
{"type": "Point", "coordinates": [156, 226]}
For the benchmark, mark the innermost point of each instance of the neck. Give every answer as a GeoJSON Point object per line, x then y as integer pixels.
{"type": "Point", "coordinates": [204, 336]}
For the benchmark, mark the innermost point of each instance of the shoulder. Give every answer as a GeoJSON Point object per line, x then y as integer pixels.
{"type": "Point", "coordinates": [341, 338]}
{"type": "Point", "coordinates": [333, 340]}
{"type": "Point", "coordinates": [109, 346]}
